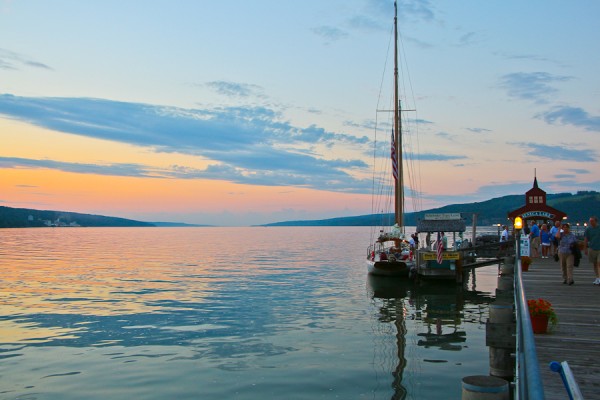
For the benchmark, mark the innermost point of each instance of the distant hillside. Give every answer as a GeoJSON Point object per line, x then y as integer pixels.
{"type": "Point", "coordinates": [578, 207]}
{"type": "Point", "coordinates": [27, 218]}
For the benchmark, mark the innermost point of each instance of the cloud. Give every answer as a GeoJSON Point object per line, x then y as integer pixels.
{"type": "Point", "coordinates": [536, 86]}
{"type": "Point", "coordinates": [438, 157]}
{"type": "Point", "coordinates": [377, 16]}
{"type": "Point", "coordinates": [479, 130]}
{"type": "Point", "coordinates": [467, 39]}
{"type": "Point", "coordinates": [109, 169]}
{"type": "Point", "coordinates": [233, 89]}
{"type": "Point", "coordinates": [579, 171]}
{"type": "Point", "coordinates": [571, 173]}
{"type": "Point", "coordinates": [421, 121]}
{"type": "Point", "coordinates": [527, 57]}
{"type": "Point", "coordinates": [334, 179]}
{"type": "Point", "coordinates": [10, 60]}
{"type": "Point", "coordinates": [246, 144]}
{"type": "Point", "coordinates": [565, 176]}
{"type": "Point", "coordinates": [366, 23]}
{"type": "Point", "coordinates": [417, 9]}
{"type": "Point", "coordinates": [572, 116]}
{"type": "Point", "coordinates": [445, 135]}
{"type": "Point", "coordinates": [533, 86]}
{"type": "Point", "coordinates": [330, 32]}
{"type": "Point", "coordinates": [560, 152]}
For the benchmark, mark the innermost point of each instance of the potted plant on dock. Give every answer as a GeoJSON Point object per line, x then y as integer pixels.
{"type": "Point", "coordinates": [525, 263]}
{"type": "Point", "coordinates": [541, 312]}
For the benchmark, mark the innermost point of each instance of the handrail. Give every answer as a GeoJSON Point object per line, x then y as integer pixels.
{"type": "Point", "coordinates": [568, 379]}
{"type": "Point", "coordinates": [528, 380]}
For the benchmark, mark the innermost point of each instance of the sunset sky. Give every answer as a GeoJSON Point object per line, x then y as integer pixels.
{"type": "Point", "coordinates": [249, 112]}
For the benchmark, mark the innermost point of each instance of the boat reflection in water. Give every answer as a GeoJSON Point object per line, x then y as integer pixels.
{"type": "Point", "coordinates": [427, 335]}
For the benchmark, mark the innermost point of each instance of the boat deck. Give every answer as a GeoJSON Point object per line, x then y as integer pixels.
{"type": "Point", "coordinates": [576, 339]}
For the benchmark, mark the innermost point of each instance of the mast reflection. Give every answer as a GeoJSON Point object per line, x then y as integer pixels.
{"type": "Point", "coordinates": [435, 310]}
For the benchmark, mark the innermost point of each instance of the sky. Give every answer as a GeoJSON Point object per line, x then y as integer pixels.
{"type": "Point", "coordinates": [237, 113]}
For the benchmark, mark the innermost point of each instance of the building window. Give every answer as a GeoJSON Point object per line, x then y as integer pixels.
{"type": "Point", "coordinates": [530, 199]}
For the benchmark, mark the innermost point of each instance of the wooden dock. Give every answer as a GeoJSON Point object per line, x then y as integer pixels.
{"type": "Point", "coordinates": [576, 339]}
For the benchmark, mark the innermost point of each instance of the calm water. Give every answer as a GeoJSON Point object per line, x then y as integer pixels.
{"type": "Point", "coordinates": [226, 313]}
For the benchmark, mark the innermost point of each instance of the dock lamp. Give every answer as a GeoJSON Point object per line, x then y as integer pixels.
{"type": "Point", "coordinates": [518, 224]}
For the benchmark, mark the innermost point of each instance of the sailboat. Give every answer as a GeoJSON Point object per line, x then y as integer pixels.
{"type": "Point", "coordinates": [390, 253]}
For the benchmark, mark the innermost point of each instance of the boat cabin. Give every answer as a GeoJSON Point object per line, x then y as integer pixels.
{"type": "Point", "coordinates": [441, 262]}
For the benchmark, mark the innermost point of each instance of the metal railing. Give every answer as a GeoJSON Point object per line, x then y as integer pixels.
{"type": "Point", "coordinates": [528, 381]}
{"type": "Point", "coordinates": [568, 379]}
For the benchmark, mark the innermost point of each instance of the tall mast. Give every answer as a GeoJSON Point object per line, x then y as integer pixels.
{"type": "Point", "coordinates": [399, 189]}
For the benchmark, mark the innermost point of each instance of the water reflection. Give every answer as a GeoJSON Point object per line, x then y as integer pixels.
{"type": "Point", "coordinates": [213, 314]}
{"type": "Point", "coordinates": [435, 315]}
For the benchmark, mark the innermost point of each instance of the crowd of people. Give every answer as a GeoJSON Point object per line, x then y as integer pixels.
{"type": "Point", "coordinates": [557, 241]}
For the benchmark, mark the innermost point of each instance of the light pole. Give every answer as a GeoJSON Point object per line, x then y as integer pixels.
{"type": "Point", "coordinates": [518, 225]}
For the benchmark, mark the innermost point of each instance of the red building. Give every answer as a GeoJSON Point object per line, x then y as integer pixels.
{"type": "Point", "coordinates": [535, 207]}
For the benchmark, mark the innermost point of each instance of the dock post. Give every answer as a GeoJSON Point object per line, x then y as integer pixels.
{"type": "Point", "coordinates": [500, 338]}
{"type": "Point", "coordinates": [482, 387]}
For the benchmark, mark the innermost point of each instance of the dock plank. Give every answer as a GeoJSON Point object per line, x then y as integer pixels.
{"type": "Point", "coordinates": [576, 338]}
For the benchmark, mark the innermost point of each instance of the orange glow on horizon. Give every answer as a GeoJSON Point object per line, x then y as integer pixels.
{"type": "Point", "coordinates": [50, 189]}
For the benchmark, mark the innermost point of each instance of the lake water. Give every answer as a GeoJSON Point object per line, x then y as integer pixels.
{"type": "Point", "coordinates": [227, 313]}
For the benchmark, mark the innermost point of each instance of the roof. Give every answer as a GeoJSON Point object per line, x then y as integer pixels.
{"type": "Point", "coordinates": [441, 225]}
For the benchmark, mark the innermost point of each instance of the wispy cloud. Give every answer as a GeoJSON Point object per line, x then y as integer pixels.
{"type": "Point", "coordinates": [246, 145]}
{"type": "Point", "coordinates": [9, 60]}
{"type": "Point", "coordinates": [528, 57]}
{"type": "Point", "coordinates": [330, 33]}
{"type": "Point", "coordinates": [445, 135]}
{"type": "Point", "coordinates": [537, 87]}
{"type": "Point", "coordinates": [377, 16]}
{"type": "Point", "coordinates": [366, 23]}
{"type": "Point", "coordinates": [439, 157]}
{"type": "Point", "coordinates": [97, 169]}
{"type": "Point", "coordinates": [532, 86]}
{"type": "Point", "coordinates": [559, 152]}
{"type": "Point", "coordinates": [579, 171]}
{"type": "Point", "coordinates": [234, 89]}
{"type": "Point", "coordinates": [417, 9]}
{"type": "Point", "coordinates": [479, 130]}
{"type": "Point", "coordinates": [572, 116]}
{"type": "Point", "coordinates": [467, 39]}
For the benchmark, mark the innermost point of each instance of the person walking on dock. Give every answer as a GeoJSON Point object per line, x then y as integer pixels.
{"type": "Point", "coordinates": [554, 231]}
{"type": "Point", "coordinates": [534, 237]}
{"type": "Point", "coordinates": [545, 239]}
{"type": "Point", "coordinates": [504, 234]}
{"type": "Point", "coordinates": [565, 253]}
{"type": "Point", "coordinates": [591, 244]}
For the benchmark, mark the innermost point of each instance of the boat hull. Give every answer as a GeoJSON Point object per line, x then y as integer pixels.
{"type": "Point", "coordinates": [439, 274]}
{"type": "Point", "coordinates": [449, 269]}
{"type": "Point", "coordinates": [389, 268]}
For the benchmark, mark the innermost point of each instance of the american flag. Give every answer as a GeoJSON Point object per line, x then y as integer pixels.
{"type": "Point", "coordinates": [440, 247]}
{"type": "Point", "coordinates": [394, 157]}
